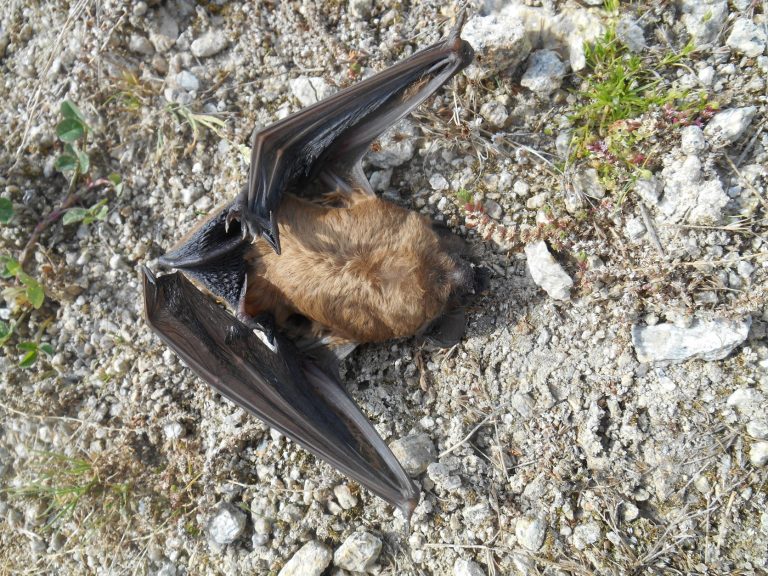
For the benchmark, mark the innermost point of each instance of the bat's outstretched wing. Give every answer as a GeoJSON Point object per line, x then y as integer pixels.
{"type": "Point", "coordinates": [328, 139]}
{"type": "Point", "coordinates": [291, 392]}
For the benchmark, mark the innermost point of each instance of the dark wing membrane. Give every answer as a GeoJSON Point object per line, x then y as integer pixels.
{"type": "Point", "coordinates": [214, 255]}
{"type": "Point", "coordinates": [331, 137]}
{"type": "Point", "coordinates": [285, 389]}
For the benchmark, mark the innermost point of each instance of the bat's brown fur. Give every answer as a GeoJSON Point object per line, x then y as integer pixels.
{"type": "Point", "coordinates": [366, 272]}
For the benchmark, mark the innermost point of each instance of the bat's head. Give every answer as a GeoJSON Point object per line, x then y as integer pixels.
{"type": "Point", "coordinates": [467, 280]}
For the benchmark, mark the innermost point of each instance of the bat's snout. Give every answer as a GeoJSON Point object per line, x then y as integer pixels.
{"type": "Point", "coordinates": [466, 279]}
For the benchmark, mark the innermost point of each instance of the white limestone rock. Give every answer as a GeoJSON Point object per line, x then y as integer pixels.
{"type": "Point", "coordinates": [358, 553]}
{"type": "Point", "coordinates": [209, 44]}
{"type": "Point", "coordinates": [704, 18]}
{"type": "Point", "coordinates": [728, 126]}
{"type": "Point", "coordinates": [531, 531]}
{"type": "Point", "coordinates": [227, 525]}
{"type": "Point", "coordinates": [706, 340]}
{"type": "Point", "coordinates": [309, 89]}
{"type": "Point", "coordinates": [414, 453]}
{"type": "Point", "coordinates": [545, 72]}
{"type": "Point", "coordinates": [500, 42]}
{"type": "Point", "coordinates": [688, 196]}
{"type": "Point", "coordinates": [546, 272]}
{"type": "Point", "coordinates": [747, 38]}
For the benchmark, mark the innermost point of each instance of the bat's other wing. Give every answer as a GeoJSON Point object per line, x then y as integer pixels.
{"type": "Point", "coordinates": [292, 393]}
{"type": "Point", "coordinates": [328, 139]}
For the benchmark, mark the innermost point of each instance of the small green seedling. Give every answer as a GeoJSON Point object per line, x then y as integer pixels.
{"type": "Point", "coordinates": [96, 212]}
{"type": "Point", "coordinates": [30, 293]}
{"type": "Point", "coordinates": [32, 352]}
{"type": "Point", "coordinates": [73, 131]}
{"type": "Point", "coordinates": [6, 210]}
{"type": "Point", "coordinates": [75, 162]}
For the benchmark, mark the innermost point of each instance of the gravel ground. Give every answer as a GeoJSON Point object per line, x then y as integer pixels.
{"type": "Point", "coordinates": [606, 412]}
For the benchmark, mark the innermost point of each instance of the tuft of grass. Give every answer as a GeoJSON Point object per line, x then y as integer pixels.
{"type": "Point", "coordinates": [196, 121]}
{"type": "Point", "coordinates": [624, 107]}
{"type": "Point", "coordinates": [65, 482]}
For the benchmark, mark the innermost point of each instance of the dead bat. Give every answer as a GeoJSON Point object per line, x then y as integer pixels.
{"type": "Point", "coordinates": [313, 263]}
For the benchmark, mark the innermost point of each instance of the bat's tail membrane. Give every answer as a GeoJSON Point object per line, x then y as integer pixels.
{"type": "Point", "coordinates": [288, 390]}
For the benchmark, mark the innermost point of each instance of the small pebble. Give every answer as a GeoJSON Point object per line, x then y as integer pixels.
{"type": "Point", "coordinates": [310, 560]}
{"type": "Point", "coordinates": [747, 38]}
{"type": "Point", "coordinates": [345, 497]}
{"type": "Point", "coordinates": [187, 81]}
{"type": "Point", "coordinates": [758, 428]}
{"type": "Point", "coordinates": [414, 453]}
{"type": "Point", "coordinates": [308, 90]}
{"type": "Point", "coordinates": [227, 524]}
{"type": "Point", "coordinates": [546, 272]}
{"type": "Point", "coordinates": [586, 534]}
{"type": "Point", "coordinates": [545, 72]}
{"type": "Point", "coordinates": [728, 126]}
{"type": "Point", "coordinates": [493, 209]}
{"type": "Point", "coordinates": [209, 44]}
{"type": "Point", "coordinates": [530, 532]}
{"type": "Point", "coordinates": [438, 182]}
{"type": "Point", "coordinates": [758, 454]}
{"type": "Point", "coordinates": [358, 553]}
{"type": "Point", "coordinates": [463, 567]}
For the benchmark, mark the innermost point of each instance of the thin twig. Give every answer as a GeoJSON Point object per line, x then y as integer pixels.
{"type": "Point", "coordinates": [649, 226]}
{"type": "Point", "coordinates": [482, 423]}
{"type": "Point", "coordinates": [71, 199]}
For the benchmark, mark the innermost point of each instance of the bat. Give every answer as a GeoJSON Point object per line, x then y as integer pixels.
{"type": "Point", "coordinates": [313, 263]}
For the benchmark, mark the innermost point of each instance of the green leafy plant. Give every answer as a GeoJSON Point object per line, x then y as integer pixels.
{"type": "Point", "coordinates": [6, 331]}
{"type": "Point", "coordinates": [29, 292]}
{"type": "Point", "coordinates": [73, 131]}
{"type": "Point", "coordinates": [26, 294]}
{"type": "Point", "coordinates": [96, 212]}
{"type": "Point", "coordinates": [6, 210]}
{"type": "Point", "coordinates": [32, 352]}
{"type": "Point", "coordinates": [75, 163]}
{"type": "Point", "coordinates": [464, 196]}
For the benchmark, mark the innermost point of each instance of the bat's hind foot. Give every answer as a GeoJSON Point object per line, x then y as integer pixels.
{"type": "Point", "coordinates": [263, 323]}
{"type": "Point", "coordinates": [253, 224]}
{"type": "Point", "coordinates": [233, 215]}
